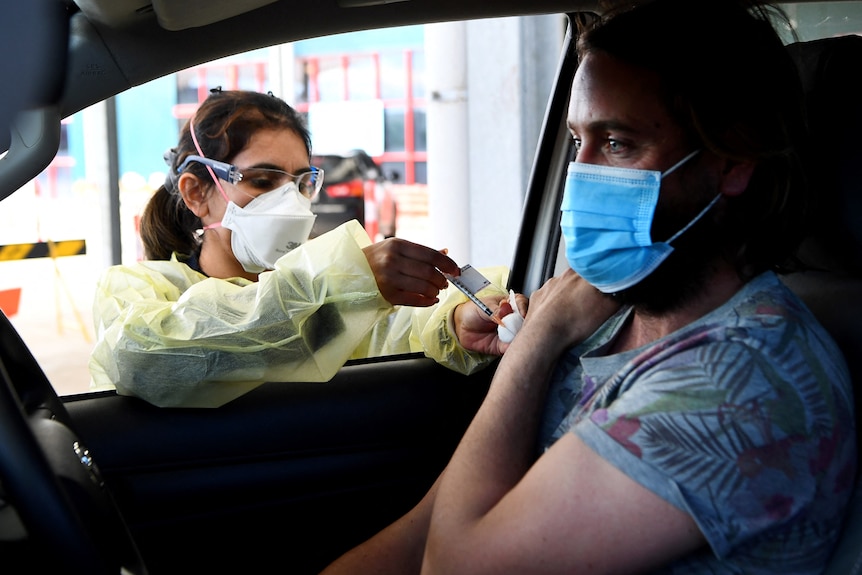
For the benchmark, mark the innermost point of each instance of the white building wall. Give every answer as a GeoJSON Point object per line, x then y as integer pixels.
{"type": "Point", "coordinates": [483, 125]}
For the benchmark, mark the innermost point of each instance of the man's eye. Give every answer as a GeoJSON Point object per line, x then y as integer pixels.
{"type": "Point", "coordinates": [614, 145]}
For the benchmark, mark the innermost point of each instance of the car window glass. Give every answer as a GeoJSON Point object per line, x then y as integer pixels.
{"type": "Point", "coordinates": [824, 19]}
{"type": "Point", "coordinates": [484, 140]}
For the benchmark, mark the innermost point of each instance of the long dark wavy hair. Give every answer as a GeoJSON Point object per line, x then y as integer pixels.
{"type": "Point", "coordinates": [728, 80]}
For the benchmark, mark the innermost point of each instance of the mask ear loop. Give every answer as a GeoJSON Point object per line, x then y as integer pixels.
{"type": "Point", "coordinates": [702, 212]}
{"type": "Point", "coordinates": [696, 218]}
{"type": "Point", "coordinates": [668, 172]}
{"type": "Point", "coordinates": [212, 173]}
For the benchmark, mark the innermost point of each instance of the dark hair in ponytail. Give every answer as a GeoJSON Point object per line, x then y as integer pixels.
{"type": "Point", "coordinates": [224, 124]}
{"type": "Point", "coordinates": [168, 226]}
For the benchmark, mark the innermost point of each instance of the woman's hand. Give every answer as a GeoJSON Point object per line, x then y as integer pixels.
{"type": "Point", "coordinates": [477, 331]}
{"type": "Point", "coordinates": [407, 273]}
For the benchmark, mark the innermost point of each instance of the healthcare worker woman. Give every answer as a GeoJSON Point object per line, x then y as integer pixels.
{"type": "Point", "coordinates": [232, 295]}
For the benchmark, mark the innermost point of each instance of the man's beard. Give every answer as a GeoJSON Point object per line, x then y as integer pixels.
{"type": "Point", "coordinates": [682, 277]}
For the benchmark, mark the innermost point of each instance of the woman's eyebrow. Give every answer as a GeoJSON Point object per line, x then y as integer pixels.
{"type": "Point", "coordinates": [264, 166]}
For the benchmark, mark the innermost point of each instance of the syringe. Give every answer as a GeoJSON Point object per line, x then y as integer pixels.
{"type": "Point", "coordinates": [469, 282]}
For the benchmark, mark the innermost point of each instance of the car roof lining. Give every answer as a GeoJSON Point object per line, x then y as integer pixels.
{"type": "Point", "coordinates": [180, 15]}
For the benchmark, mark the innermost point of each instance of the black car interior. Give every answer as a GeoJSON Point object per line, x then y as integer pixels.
{"type": "Point", "coordinates": [294, 474]}
{"type": "Point", "coordinates": [829, 69]}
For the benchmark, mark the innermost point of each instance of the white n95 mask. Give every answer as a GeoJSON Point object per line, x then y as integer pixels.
{"type": "Point", "coordinates": [268, 227]}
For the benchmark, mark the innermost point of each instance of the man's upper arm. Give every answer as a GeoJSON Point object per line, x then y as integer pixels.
{"type": "Point", "coordinates": [575, 512]}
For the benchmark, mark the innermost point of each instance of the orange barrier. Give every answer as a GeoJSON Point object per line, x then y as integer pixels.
{"type": "Point", "coordinates": [9, 300]}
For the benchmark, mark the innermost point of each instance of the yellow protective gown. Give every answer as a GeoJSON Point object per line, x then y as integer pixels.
{"type": "Point", "coordinates": [177, 338]}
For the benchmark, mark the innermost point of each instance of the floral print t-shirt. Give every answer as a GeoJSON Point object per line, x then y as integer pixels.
{"type": "Point", "coordinates": [743, 419]}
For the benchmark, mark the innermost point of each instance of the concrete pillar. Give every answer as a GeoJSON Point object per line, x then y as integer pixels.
{"type": "Point", "coordinates": [102, 246]}
{"type": "Point", "coordinates": [487, 87]}
{"type": "Point", "coordinates": [512, 64]}
{"type": "Point", "coordinates": [282, 72]}
{"type": "Point", "coordinates": [448, 139]}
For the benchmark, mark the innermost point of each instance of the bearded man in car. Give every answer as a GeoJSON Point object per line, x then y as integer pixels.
{"type": "Point", "coordinates": [668, 406]}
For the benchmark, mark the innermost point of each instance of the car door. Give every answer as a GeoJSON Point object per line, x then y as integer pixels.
{"type": "Point", "coordinates": [294, 474]}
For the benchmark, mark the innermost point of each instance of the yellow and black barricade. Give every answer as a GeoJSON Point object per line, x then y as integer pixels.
{"type": "Point", "coordinates": [43, 250]}
{"type": "Point", "coordinates": [53, 250]}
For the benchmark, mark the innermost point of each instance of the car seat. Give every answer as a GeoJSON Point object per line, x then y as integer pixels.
{"type": "Point", "coordinates": [832, 289]}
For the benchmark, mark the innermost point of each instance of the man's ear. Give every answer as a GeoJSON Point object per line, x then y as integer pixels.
{"type": "Point", "coordinates": [194, 194]}
{"type": "Point", "coordinates": [735, 177]}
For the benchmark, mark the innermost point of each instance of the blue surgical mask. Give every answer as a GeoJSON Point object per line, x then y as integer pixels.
{"type": "Point", "coordinates": [607, 214]}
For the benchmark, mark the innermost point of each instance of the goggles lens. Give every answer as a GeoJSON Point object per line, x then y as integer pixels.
{"type": "Point", "coordinates": [259, 180]}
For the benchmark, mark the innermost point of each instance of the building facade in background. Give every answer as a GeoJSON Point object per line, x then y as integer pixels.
{"type": "Point", "coordinates": [332, 78]}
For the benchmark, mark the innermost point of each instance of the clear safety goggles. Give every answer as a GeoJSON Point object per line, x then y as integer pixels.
{"type": "Point", "coordinates": [260, 180]}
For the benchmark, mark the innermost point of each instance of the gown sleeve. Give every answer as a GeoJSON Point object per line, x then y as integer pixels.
{"type": "Point", "coordinates": [176, 338]}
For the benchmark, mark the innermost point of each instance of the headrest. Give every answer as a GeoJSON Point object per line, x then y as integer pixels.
{"type": "Point", "coordinates": [829, 70]}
